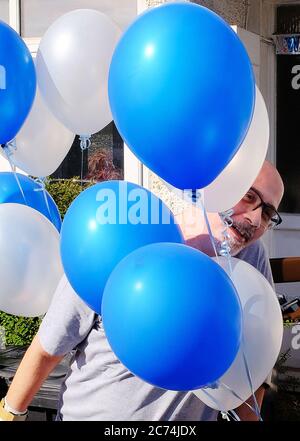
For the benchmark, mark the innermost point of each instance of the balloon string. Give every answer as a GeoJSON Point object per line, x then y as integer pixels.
{"type": "Point", "coordinates": [81, 170]}
{"type": "Point", "coordinates": [225, 251]}
{"type": "Point", "coordinates": [197, 196]}
{"type": "Point", "coordinates": [42, 183]}
{"type": "Point", "coordinates": [257, 410]}
{"type": "Point", "coordinates": [225, 414]}
{"type": "Point", "coordinates": [8, 149]}
{"type": "Point", "coordinates": [85, 143]}
{"type": "Point", "coordinates": [215, 401]}
{"type": "Point", "coordinates": [234, 415]}
{"type": "Point", "coordinates": [237, 396]}
{"type": "Point", "coordinates": [219, 405]}
{"type": "Point", "coordinates": [225, 247]}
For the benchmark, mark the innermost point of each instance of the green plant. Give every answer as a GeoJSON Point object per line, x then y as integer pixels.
{"type": "Point", "coordinates": [65, 191]}
{"type": "Point", "coordinates": [289, 322]}
{"type": "Point", "coordinates": [19, 331]}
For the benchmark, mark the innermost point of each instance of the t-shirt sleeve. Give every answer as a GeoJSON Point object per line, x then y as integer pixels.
{"type": "Point", "coordinates": [67, 322]}
{"type": "Point", "coordinates": [264, 265]}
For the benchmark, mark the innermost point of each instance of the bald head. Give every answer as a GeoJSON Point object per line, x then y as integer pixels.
{"type": "Point", "coordinates": [250, 222]}
{"type": "Point", "coordinates": [269, 184]}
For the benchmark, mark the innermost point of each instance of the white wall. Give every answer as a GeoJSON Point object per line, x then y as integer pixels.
{"type": "Point", "coordinates": [4, 10]}
{"type": "Point", "coordinates": [4, 164]}
{"type": "Point", "coordinates": [37, 15]}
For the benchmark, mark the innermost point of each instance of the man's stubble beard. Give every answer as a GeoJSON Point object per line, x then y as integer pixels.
{"type": "Point", "coordinates": [234, 243]}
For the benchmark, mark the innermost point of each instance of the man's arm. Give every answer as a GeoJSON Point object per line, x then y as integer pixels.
{"type": "Point", "coordinates": [33, 370]}
{"type": "Point", "coordinates": [67, 322]}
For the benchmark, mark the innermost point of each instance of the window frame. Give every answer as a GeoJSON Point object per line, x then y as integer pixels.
{"type": "Point", "coordinates": [133, 168]}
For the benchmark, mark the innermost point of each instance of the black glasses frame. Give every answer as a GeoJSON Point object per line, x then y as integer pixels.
{"type": "Point", "coordinates": [264, 204]}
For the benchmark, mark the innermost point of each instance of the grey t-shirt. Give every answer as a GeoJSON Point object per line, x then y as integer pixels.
{"type": "Point", "coordinates": [98, 386]}
{"type": "Point", "coordinates": [256, 255]}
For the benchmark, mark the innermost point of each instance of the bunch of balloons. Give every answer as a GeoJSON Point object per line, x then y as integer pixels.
{"type": "Point", "coordinates": [124, 255]}
{"type": "Point", "coordinates": [191, 113]}
{"type": "Point", "coordinates": [71, 69]}
{"type": "Point", "coordinates": [158, 297]}
{"type": "Point", "coordinates": [181, 90]}
{"type": "Point", "coordinates": [43, 104]}
{"type": "Point", "coordinates": [262, 338]}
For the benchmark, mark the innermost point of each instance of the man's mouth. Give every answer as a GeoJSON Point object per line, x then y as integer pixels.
{"type": "Point", "coordinates": [243, 235]}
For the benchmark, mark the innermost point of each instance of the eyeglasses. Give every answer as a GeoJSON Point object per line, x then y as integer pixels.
{"type": "Point", "coordinates": [252, 200]}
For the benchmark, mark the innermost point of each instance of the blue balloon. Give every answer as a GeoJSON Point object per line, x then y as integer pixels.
{"type": "Point", "coordinates": [104, 224]}
{"type": "Point", "coordinates": [182, 92]}
{"type": "Point", "coordinates": [17, 82]}
{"type": "Point", "coordinates": [10, 193]}
{"type": "Point", "coordinates": [172, 316]}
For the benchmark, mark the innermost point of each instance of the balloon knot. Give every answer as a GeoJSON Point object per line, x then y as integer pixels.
{"type": "Point", "coordinates": [226, 217]}
{"type": "Point", "coordinates": [10, 147]}
{"type": "Point", "coordinates": [41, 182]}
{"type": "Point", "coordinates": [193, 195]}
{"type": "Point", "coordinates": [85, 141]}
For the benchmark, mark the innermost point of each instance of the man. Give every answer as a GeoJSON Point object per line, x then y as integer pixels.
{"type": "Point", "coordinates": [252, 217]}
{"type": "Point", "coordinates": [98, 386]}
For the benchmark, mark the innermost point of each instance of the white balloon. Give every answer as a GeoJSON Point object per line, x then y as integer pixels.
{"type": "Point", "coordinates": [72, 66]}
{"type": "Point", "coordinates": [237, 177]}
{"type": "Point", "coordinates": [42, 143]}
{"type": "Point", "coordinates": [262, 336]}
{"type": "Point", "coordinates": [30, 263]}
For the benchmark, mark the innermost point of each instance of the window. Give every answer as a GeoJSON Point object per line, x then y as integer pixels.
{"type": "Point", "coordinates": [288, 19]}
{"type": "Point", "coordinates": [105, 157]}
{"type": "Point", "coordinates": [4, 10]}
{"type": "Point", "coordinates": [288, 111]}
{"type": "Point", "coordinates": [288, 139]}
{"type": "Point", "coordinates": [104, 160]}
{"type": "Point", "coordinates": [38, 15]}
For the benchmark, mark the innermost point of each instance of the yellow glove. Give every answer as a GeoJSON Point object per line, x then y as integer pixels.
{"type": "Point", "coordinates": [5, 415]}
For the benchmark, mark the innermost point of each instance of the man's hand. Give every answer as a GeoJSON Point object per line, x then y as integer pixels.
{"type": "Point", "coordinates": [5, 415]}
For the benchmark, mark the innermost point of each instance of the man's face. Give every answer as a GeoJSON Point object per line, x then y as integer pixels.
{"type": "Point", "coordinates": [249, 224]}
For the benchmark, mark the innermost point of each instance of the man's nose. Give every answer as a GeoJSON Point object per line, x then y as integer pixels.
{"type": "Point", "coordinates": [254, 217]}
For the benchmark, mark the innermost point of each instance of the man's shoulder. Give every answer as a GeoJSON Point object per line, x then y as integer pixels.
{"type": "Point", "coordinates": [257, 256]}
{"type": "Point", "coordinates": [67, 304]}
{"type": "Point", "coordinates": [255, 251]}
